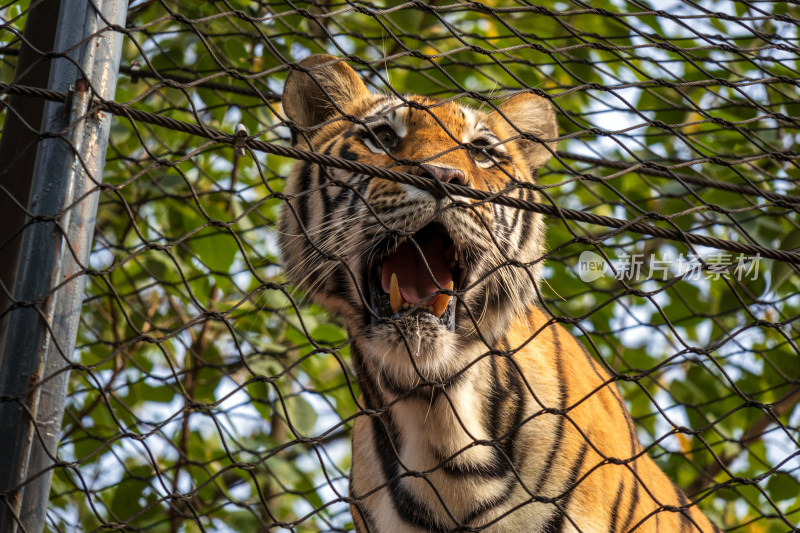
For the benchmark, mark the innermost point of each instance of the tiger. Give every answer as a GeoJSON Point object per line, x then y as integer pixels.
{"type": "Point", "coordinates": [477, 411]}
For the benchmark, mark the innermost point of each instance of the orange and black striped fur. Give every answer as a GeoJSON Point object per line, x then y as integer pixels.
{"type": "Point", "coordinates": [479, 412]}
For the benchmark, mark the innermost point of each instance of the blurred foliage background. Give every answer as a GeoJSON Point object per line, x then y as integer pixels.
{"type": "Point", "coordinates": [210, 396]}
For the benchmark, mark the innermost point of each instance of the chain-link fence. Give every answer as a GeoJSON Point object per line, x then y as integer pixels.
{"type": "Point", "coordinates": [206, 393]}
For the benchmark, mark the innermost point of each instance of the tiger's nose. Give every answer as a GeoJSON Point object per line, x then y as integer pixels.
{"type": "Point", "coordinates": [443, 174]}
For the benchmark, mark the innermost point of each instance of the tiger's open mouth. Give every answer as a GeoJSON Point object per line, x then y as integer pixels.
{"type": "Point", "coordinates": [418, 276]}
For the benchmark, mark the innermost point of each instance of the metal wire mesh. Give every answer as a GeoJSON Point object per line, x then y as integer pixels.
{"type": "Point", "coordinates": [207, 394]}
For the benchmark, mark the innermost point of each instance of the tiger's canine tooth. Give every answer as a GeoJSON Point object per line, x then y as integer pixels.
{"type": "Point", "coordinates": [442, 301]}
{"type": "Point", "coordinates": [394, 294]}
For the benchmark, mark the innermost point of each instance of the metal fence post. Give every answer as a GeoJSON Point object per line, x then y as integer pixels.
{"type": "Point", "coordinates": [20, 138]}
{"type": "Point", "coordinates": [41, 328]}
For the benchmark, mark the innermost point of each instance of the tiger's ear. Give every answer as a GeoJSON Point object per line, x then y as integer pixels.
{"type": "Point", "coordinates": [322, 87]}
{"type": "Point", "coordinates": [532, 115]}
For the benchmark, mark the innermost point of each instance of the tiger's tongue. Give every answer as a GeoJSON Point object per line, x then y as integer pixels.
{"type": "Point", "coordinates": [416, 285]}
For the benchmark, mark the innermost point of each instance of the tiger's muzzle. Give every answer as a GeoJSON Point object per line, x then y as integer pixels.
{"type": "Point", "coordinates": [416, 276]}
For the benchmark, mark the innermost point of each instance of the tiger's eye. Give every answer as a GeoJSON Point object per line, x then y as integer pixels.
{"type": "Point", "coordinates": [479, 156]}
{"type": "Point", "coordinates": [386, 136]}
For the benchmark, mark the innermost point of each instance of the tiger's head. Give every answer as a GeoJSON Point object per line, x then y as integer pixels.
{"type": "Point", "coordinates": [418, 276]}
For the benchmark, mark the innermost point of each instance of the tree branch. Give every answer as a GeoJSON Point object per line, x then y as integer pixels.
{"type": "Point", "coordinates": [771, 415]}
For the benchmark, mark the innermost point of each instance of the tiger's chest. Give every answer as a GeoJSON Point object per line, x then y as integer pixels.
{"type": "Point", "coordinates": [469, 452]}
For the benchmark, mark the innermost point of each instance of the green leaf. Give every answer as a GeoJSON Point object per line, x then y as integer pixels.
{"type": "Point", "coordinates": [782, 486]}
{"type": "Point", "coordinates": [329, 334]}
{"type": "Point", "coordinates": [215, 247]}
{"type": "Point", "coordinates": [259, 398]}
{"type": "Point", "coordinates": [782, 271]}
{"type": "Point", "coordinates": [301, 415]}
{"type": "Point", "coordinates": [126, 498]}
